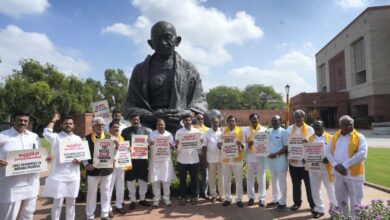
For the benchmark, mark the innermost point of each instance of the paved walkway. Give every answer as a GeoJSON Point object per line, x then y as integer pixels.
{"type": "Point", "coordinates": [206, 210]}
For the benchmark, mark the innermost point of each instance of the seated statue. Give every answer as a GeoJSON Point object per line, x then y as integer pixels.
{"type": "Point", "coordinates": [164, 85]}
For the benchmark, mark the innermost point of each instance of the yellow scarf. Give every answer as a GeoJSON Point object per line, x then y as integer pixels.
{"type": "Point", "coordinates": [250, 138]}
{"type": "Point", "coordinates": [303, 129]}
{"type": "Point", "coordinates": [238, 133]}
{"type": "Point", "coordinates": [204, 128]}
{"type": "Point", "coordinates": [120, 138]}
{"type": "Point", "coordinates": [102, 136]}
{"type": "Point", "coordinates": [353, 146]}
{"type": "Point", "coordinates": [328, 166]}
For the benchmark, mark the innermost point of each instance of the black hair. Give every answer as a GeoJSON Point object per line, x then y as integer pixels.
{"type": "Point", "coordinates": [113, 123]}
{"type": "Point", "coordinates": [23, 112]}
{"type": "Point", "coordinates": [253, 115]}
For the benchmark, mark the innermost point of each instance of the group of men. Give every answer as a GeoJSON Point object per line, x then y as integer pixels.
{"type": "Point", "coordinates": [343, 175]}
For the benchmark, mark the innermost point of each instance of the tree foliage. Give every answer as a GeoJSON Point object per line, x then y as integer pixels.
{"type": "Point", "coordinates": [115, 87]}
{"type": "Point", "coordinates": [43, 90]}
{"type": "Point", "coordinates": [256, 96]}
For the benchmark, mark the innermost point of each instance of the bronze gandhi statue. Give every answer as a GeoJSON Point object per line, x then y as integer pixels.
{"type": "Point", "coordinates": [164, 85]}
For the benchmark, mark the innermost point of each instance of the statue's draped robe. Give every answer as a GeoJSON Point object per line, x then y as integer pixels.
{"type": "Point", "coordinates": [187, 92]}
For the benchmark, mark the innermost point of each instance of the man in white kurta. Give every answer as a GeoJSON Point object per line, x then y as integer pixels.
{"type": "Point", "coordinates": [213, 156]}
{"type": "Point", "coordinates": [324, 175]}
{"type": "Point", "coordinates": [161, 172]}
{"type": "Point", "coordinates": [203, 171]}
{"type": "Point", "coordinates": [116, 115]}
{"type": "Point", "coordinates": [277, 163]}
{"type": "Point", "coordinates": [297, 171]}
{"type": "Point", "coordinates": [347, 153]}
{"type": "Point", "coordinates": [18, 194]}
{"type": "Point", "coordinates": [255, 166]}
{"type": "Point", "coordinates": [64, 178]}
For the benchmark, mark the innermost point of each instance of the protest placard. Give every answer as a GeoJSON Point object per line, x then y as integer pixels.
{"type": "Point", "coordinates": [102, 109]}
{"type": "Point", "coordinates": [26, 161]}
{"type": "Point", "coordinates": [229, 147]}
{"type": "Point", "coordinates": [74, 150]}
{"type": "Point", "coordinates": [123, 155]}
{"type": "Point", "coordinates": [139, 147]}
{"type": "Point", "coordinates": [103, 154]}
{"type": "Point", "coordinates": [295, 147]}
{"type": "Point", "coordinates": [161, 149]}
{"type": "Point", "coordinates": [260, 144]}
{"type": "Point", "coordinates": [314, 155]}
{"type": "Point", "coordinates": [189, 140]}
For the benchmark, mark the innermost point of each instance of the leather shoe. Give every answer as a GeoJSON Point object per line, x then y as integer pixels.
{"type": "Point", "coordinates": [317, 215]}
{"type": "Point", "coordinates": [120, 210]}
{"type": "Point", "coordinates": [226, 203]}
{"type": "Point", "coordinates": [272, 204]}
{"type": "Point", "coordinates": [251, 202]}
{"type": "Point", "coordinates": [261, 203]}
{"type": "Point", "coordinates": [132, 206]}
{"type": "Point", "coordinates": [240, 204]}
{"type": "Point", "coordinates": [144, 203]}
{"type": "Point", "coordinates": [295, 207]}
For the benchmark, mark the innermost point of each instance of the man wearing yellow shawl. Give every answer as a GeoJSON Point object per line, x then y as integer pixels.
{"type": "Point", "coordinates": [324, 175]}
{"type": "Point", "coordinates": [204, 177]}
{"type": "Point", "coordinates": [297, 171]}
{"type": "Point", "coordinates": [97, 176]}
{"type": "Point", "coordinates": [118, 174]}
{"type": "Point", "coordinates": [347, 152]}
{"type": "Point", "coordinates": [254, 165]}
{"type": "Point", "coordinates": [233, 165]}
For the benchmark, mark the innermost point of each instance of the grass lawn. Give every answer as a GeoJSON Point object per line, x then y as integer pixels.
{"type": "Point", "coordinates": [378, 166]}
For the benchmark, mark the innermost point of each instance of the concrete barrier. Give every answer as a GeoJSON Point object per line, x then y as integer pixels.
{"type": "Point", "coordinates": [380, 128]}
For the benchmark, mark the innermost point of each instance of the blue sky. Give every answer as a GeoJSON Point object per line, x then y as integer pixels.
{"type": "Point", "coordinates": [231, 42]}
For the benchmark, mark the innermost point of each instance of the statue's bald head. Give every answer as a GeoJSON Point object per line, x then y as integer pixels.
{"type": "Point", "coordinates": [160, 27]}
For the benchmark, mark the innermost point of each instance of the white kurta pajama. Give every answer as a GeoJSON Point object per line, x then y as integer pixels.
{"type": "Point", "coordinates": [318, 176]}
{"type": "Point", "coordinates": [117, 181]}
{"type": "Point", "coordinates": [161, 172]}
{"type": "Point", "coordinates": [349, 189]}
{"type": "Point", "coordinates": [15, 189]}
{"type": "Point", "coordinates": [254, 166]}
{"type": "Point", "coordinates": [211, 140]}
{"type": "Point", "coordinates": [64, 178]}
{"type": "Point", "coordinates": [278, 166]}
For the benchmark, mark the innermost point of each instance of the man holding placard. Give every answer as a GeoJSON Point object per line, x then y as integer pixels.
{"type": "Point", "coordinates": [188, 141]}
{"type": "Point", "coordinates": [232, 160]}
{"type": "Point", "coordinates": [277, 163]}
{"type": "Point", "coordinates": [318, 171]}
{"type": "Point", "coordinates": [255, 158]}
{"type": "Point", "coordinates": [18, 193]}
{"type": "Point", "coordinates": [204, 176]}
{"type": "Point", "coordinates": [122, 155]}
{"type": "Point", "coordinates": [138, 137]}
{"type": "Point", "coordinates": [298, 134]}
{"type": "Point", "coordinates": [99, 168]}
{"type": "Point", "coordinates": [63, 181]}
{"type": "Point", "coordinates": [160, 165]}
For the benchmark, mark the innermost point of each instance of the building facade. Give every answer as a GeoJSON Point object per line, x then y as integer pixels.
{"type": "Point", "coordinates": [353, 71]}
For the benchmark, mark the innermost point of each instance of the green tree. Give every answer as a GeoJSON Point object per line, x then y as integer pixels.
{"type": "Point", "coordinates": [115, 86]}
{"type": "Point", "coordinates": [97, 89]}
{"type": "Point", "coordinates": [224, 97]}
{"type": "Point", "coordinates": [258, 96]}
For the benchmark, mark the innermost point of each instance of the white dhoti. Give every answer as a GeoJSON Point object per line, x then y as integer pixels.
{"type": "Point", "coordinates": [258, 169]}
{"type": "Point", "coordinates": [349, 191]}
{"type": "Point", "coordinates": [315, 182]}
{"type": "Point", "coordinates": [228, 171]}
{"type": "Point", "coordinates": [93, 183]}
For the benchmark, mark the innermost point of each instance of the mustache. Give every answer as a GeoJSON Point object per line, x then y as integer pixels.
{"type": "Point", "coordinates": [22, 124]}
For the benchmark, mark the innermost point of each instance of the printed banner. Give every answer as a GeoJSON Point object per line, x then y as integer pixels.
{"type": "Point", "coordinates": [161, 150]}
{"type": "Point", "coordinates": [103, 154]}
{"type": "Point", "coordinates": [102, 109]}
{"type": "Point", "coordinates": [123, 155]}
{"type": "Point", "coordinates": [229, 147]}
{"type": "Point", "coordinates": [314, 154]}
{"type": "Point", "coordinates": [74, 150]}
{"type": "Point", "coordinates": [189, 141]}
{"type": "Point", "coordinates": [260, 144]}
{"type": "Point", "coordinates": [295, 147]}
{"type": "Point", "coordinates": [26, 161]}
{"type": "Point", "coordinates": [139, 147]}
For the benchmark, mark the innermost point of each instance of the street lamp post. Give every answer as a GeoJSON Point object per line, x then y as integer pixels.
{"type": "Point", "coordinates": [287, 88]}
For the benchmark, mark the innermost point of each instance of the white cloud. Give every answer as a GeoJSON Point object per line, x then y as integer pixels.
{"type": "Point", "coordinates": [296, 68]}
{"type": "Point", "coordinates": [16, 44]}
{"type": "Point", "coordinates": [205, 31]}
{"type": "Point", "coordinates": [346, 4]}
{"type": "Point", "coordinates": [18, 7]}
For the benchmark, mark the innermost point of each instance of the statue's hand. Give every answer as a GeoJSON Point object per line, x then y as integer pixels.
{"type": "Point", "coordinates": [171, 115]}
